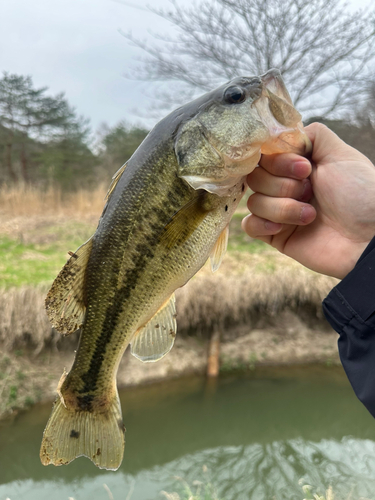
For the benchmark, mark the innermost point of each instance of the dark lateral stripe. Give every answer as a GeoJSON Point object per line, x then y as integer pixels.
{"type": "Point", "coordinates": [85, 402]}
{"type": "Point", "coordinates": [144, 252]}
{"type": "Point", "coordinates": [90, 378]}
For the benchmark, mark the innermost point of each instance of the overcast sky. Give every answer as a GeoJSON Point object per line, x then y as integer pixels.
{"type": "Point", "coordinates": [75, 46]}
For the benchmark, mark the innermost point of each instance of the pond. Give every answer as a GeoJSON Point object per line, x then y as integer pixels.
{"type": "Point", "coordinates": [253, 436]}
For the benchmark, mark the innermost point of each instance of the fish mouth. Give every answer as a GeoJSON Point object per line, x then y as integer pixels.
{"type": "Point", "coordinates": [283, 130]}
{"type": "Point", "coordinates": [276, 110]}
{"type": "Point", "coordinates": [273, 81]}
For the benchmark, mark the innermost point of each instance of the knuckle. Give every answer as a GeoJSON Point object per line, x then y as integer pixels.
{"type": "Point", "coordinates": [286, 209]}
{"type": "Point", "coordinates": [319, 127]}
{"type": "Point", "coordinates": [292, 189]}
{"type": "Point", "coordinates": [287, 188]}
{"type": "Point", "coordinates": [251, 202]}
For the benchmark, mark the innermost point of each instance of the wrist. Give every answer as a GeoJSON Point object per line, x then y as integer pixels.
{"type": "Point", "coordinates": [352, 256]}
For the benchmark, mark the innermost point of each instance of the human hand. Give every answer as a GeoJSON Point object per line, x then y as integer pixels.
{"type": "Point", "coordinates": [328, 234]}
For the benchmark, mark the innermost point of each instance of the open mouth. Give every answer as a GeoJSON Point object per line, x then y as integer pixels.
{"type": "Point", "coordinates": [275, 107]}
{"type": "Point", "coordinates": [274, 82]}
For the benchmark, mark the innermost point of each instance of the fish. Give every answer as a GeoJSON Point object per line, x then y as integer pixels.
{"type": "Point", "coordinates": [167, 212]}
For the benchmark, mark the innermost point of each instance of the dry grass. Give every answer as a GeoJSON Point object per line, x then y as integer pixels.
{"type": "Point", "coordinates": [252, 291]}
{"type": "Point", "coordinates": [243, 291]}
{"type": "Point", "coordinates": [22, 318]}
{"type": "Point", "coordinates": [26, 200]}
{"type": "Point", "coordinates": [249, 287]}
{"type": "Point", "coordinates": [24, 323]}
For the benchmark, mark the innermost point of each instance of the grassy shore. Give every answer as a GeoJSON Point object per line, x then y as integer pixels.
{"type": "Point", "coordinates": [266, 306]}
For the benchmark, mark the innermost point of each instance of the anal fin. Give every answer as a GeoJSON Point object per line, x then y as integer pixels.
{"type": "Point", "coordinates": [218, 252]}
{"type": "Point", "coordinates": [156, 338]}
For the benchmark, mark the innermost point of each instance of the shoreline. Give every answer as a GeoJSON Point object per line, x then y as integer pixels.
{"type": "Point", "coordinates": [33, 379]}
{"type": "Point", "coordinates": [265, 306]}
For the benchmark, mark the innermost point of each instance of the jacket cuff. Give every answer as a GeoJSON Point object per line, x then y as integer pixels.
{"type": "Point", "coordinates": [350, 309]}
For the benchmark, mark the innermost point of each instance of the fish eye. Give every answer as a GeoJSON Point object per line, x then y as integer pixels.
{"type": "Point", "coordinates": [234, 95]}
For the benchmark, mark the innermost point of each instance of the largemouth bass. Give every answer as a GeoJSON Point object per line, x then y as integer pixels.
{"type": "Point", "coordinates": [167, 211]}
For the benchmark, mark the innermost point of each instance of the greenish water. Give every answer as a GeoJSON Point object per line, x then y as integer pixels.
{"type": "Point", "coordinates": [258, 435]}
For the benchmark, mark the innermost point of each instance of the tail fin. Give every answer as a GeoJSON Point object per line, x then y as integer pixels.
{"type": "Point", "coordinates": [70, 434]}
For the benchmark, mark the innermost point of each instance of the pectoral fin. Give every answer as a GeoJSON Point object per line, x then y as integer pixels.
{"type": "Point", "coordinates": [218, 252]}
{"type": "Point", "coordinates": [65, 302]}
{"type": "Point", "coordinates": [156, 339]}
{"type": "Point", "coordinates": [186, 220]}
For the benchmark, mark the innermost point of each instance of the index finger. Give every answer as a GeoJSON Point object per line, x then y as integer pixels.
{"type": "Point", "coordinates": [286, 165]}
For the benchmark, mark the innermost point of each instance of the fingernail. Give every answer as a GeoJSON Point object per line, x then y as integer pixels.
{"type": "Point", "coordinates": [244, 222]}
{"type": "Point", "coordinates": [274, 227]}
{"type": "Point", "coordinates": [301, 169]}
{"type": "Point", "coordinates": [307, 214]}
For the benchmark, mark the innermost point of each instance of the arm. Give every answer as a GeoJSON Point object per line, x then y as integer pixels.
{"type": "Point", "coordinates": [350, 309]}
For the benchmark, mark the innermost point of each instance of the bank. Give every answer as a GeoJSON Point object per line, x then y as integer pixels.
{"type": "Point", "coordinates": [265, 307]}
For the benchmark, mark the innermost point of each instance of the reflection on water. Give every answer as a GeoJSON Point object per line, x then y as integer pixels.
{"type": "Point", "coordinates": [257, 435]}
{"type": "Point", "coordinates": [272, 471]}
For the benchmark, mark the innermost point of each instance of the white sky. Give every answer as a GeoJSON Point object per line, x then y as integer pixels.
{"type": "Point", "coordinates": [74, 46]}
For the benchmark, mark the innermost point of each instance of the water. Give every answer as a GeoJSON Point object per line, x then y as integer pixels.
{"type": "Point", "coordinates": [253, 437]}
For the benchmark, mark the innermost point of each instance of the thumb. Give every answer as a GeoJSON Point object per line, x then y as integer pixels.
{"type": "Point", "coordinates": [325, 142]}
{"type": "Point", "coordinates": [328, 147]}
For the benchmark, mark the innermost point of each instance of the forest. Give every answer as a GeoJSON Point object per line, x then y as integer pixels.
{"type": "Point", "coordinates": [45, 143]}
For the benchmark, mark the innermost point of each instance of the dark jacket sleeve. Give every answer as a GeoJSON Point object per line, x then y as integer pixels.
{"type": "Point", "coordinates": [350, 309]}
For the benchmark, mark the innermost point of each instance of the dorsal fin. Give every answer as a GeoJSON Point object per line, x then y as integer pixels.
{"type": "Point", "coordinates": [156, 339]}
{"type": "Point", "coordinates": [114, 182]}
{"type": "Point", "coordinates": [65, 302]}
{"type": "Point", "coordinates": [218, 252]}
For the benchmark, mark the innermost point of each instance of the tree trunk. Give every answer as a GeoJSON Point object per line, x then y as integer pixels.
{"type": "Point", "coordinates": [213, 365]}
{"type": "Point", "coordinates": [25, 172]}
{"type": "Point", "coordinates": [8, 158]}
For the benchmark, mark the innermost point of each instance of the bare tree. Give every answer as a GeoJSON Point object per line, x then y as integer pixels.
{"type": "Point", "coordinates": [366, 112]}
{"type": "Point", "coordinates": [324, 52]}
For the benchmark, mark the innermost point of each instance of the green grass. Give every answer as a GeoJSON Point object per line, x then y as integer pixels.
{"type": "Point", "coordinates": [239, 241]}
{"type": "Point", "coordinates": [20, 383]}
{"type": "Point", "coordinates": [40, 258]}
{"type": "Point", "coordinates": [25, 264]}
{"type": "Point", "coordinates": [71, 234]}
{"type": "Point", "coordinates": [36, 256]}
